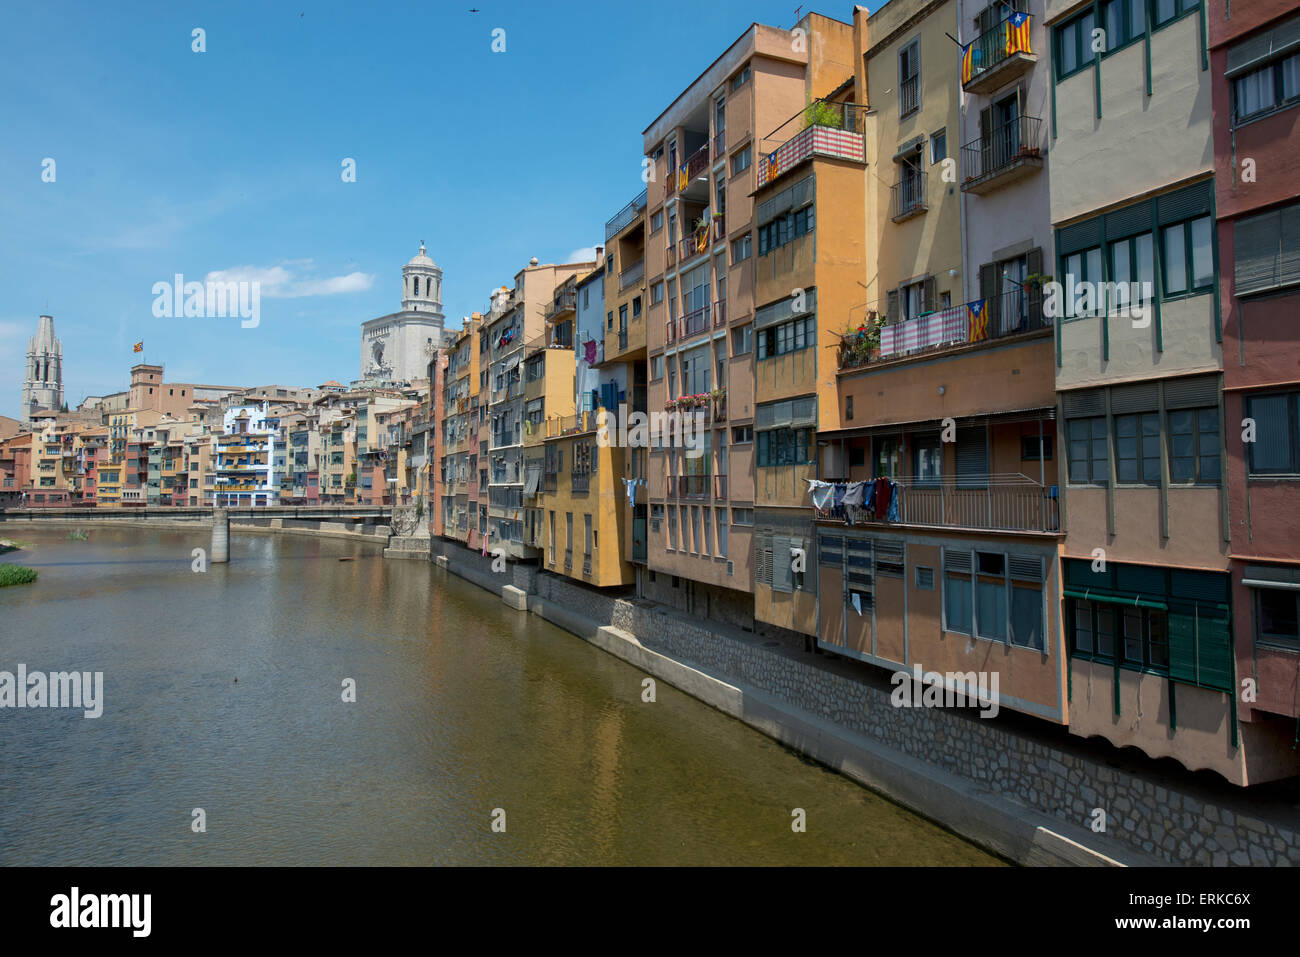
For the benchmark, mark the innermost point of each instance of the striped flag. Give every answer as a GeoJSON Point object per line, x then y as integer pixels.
{"type": "Point", "coordinates": [772, 166]}
{"type": "Point", "coordinates": [1018, 33]}
{"type": "Point", "coordinates": [968, 56]}
{"type": "Point", "coordinates": [979, 320]}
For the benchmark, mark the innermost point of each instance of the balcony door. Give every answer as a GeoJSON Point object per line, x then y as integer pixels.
{"type": "Point", "coordinates": [1000, 133]}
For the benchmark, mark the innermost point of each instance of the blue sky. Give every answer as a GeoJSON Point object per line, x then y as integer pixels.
{"type": "Point", "coordinates": [170, 161]}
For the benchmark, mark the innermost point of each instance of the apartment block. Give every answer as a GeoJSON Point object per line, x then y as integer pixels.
{"type": "Point", "coordinates": [1255, 86]}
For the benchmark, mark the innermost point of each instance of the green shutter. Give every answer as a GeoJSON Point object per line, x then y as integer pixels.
{"type": "Point", "coordinates": [1182, 643]}
{"type": "Point", "coordinates": [1200, 645]}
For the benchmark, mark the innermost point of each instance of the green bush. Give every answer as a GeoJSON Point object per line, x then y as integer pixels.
{"type": "Point", "coordinates": [821, 113]}
{"type": "Point", "coordinates": [16, 575]}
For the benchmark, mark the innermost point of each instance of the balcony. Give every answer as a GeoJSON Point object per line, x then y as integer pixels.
{"type": "Point", "coordinates": [1003, 503]}
{"type": "Point", "coordinates": [696, 244]}
{"type": "Point", "coordinates": [694, 322]}
{"type": "Point", "coordinates": [580, 481]}
{"type": "Point", "coordinates": [625, 216]}
{"type": "Point", "coordinates": [568, 559]}
{"type": "Point", "coordinates": [998, 56]}
{"type": "Point", "coordinates": [670, 256]}
{"type": "Point", "coordinates": [907, 197]}
{"type": "Point", "coordinates": [720, 144]}
{"type": "Point", "coordinates": [631, 275]}
{"type": "Point", "coordinates": [1008, 154]}
{"type": "Point", "coordinates": [566, 301]}
{"type": "Point", "coordinates": [1017, 311]}
{"type": "Point", "coordinates": [719, 313]}
{"type": "Point", "coordinates": [719, 227]}
{"type": "Point", "coordinates": [696, 166]}
{"type": "Point", "coordinates": [690, 486]}
{"type": "Point", "coordinates": [720, 487]}
{"type": "Point", "coordinates": [909, 95]}
{"type": "Point", "coordinates": [821, 129]}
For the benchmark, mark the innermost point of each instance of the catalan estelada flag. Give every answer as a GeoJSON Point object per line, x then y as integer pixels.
{"type": "Point", "coordinates": [772, 166]}
{"type": "Point", "coordinates": [138, 347]}
{"type": "Point", "coordinates": [979, 320]}
{"type": "Point", "coordinates": [683, 179]}
{"type": "Point", "coordinates": [968, 62]}
{"type": "Point", "coordinates": [1018, 33]}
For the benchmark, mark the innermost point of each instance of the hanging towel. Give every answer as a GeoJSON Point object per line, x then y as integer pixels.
{"type": "Point", "coordinates": [857, 603]}
{"type": "Point", "coordinates": [855, 493]}
{"type": "Point", "coordinates": [894, 496]}
{"type": "Point", "coordinates": [589, 351]}
{"type": "Point", "coordinates": [822, 494]}
{"type": "Point", "coordinates": [840, 491]}
{"type": "Point", "coordinates": [869, 500]}
{"type": "Point", "coordinates": [882, 497]}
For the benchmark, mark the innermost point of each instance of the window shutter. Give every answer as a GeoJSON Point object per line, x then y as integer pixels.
{"type": "Point", "coordinates": [990, 292]}
{"type": "Point", "coordinates": [1194, 393]}
{"type": "Point", "coordinates": [891, 308]}
{"type": "Point", "coordinates": [781, 577]}
{"type": "Point", "coordinates": [1034, 267]}
{"type": "Point", "coordinates": [1185, 203]}
{"type": "Point", "coordinates": [1143, 397]}
{"type": "Point", "coordinates": [1256, 242]}
{"type": "Point", "coordinates": [1200, 645]}
{"type": "Point", "coordinates": [931, 300]}
{"type": "Point", "coordinates": [972, 458]}
{"type": "Point", "coordinates": [957, 562]}
{"type": "Point", "coordinates": [1083, 404]}
{"type": "Point", "coordinates": [763, 557]}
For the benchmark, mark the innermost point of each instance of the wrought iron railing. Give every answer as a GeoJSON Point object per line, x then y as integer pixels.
{"type": "Point", "coordinates": [907, 196]}
{"type": "Point", "coordinates": [619, 221]}
{"type": "Point", "coordinates": [1001, 148]}
{"type": "Point", "coordinates": [1014, 503]}
{"type": "Point", "coordinates": [997, 44]}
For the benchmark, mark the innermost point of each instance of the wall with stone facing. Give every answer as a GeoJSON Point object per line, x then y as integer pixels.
{"type": "Point", "coordinates": [1157, 820]}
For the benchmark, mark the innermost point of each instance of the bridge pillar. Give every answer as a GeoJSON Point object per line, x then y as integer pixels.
{"type": "Point", "coordinates": [220, 536]}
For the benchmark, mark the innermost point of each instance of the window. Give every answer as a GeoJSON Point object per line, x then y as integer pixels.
{"type": "Point", "coordinates": [1132, 261]}
{"type": "Point", "coordinates": [938, 147]}
{"type": "Point", "coordinates": [1144, 638]}
{"type": "Point", "coordinates": [909, 78]}
{"type": "Point", "coordinates": [1082, 267]}
{"type": "Point", "coordinates": [741, 434]}
{"type": "Point", "coordinates": [1188, 256]}
{"type": "Point", "coordinates": [1074, 45]}
{"type": "Point", "coordinates": [1276, 448]}
{"type": "Point", "coordinates": [586, 297]}
{"type": "Point", "coordinates": [740, 79]}
{"type": "Point", "coordinates": [924, 578]}
{"type": "Point", "coordinates": [887, 458]}
{"type": "Point", "coordinates": [1267, 251]}
{"type": "Point", "coordinates": [912, 300]}
{"type": "Point", "coordinates": [656, 367]}
{"type": "Point", "coordinates": [721, 515]}
{"type": "Point", "coordinates": [742, 516]}
{"type": "Point", "coordinates": [609, 317]}
{"type": "Point", "coordinates": [1089, 457]}
{"type": "Point", "coordinates": [742, 340]}
{"type": "Point", "coordinates": [1124, 21]}
{"type": "Point", "coordinates": [1194, 446]}
{"type": "Point", "coordinates": [787, 337]}
{"type": "Point", "coordinates": [1165, 10]}
{"type": "Point", "coordinates": [1031, 449]}
{"type": "Point", "coordinates": [1137, 449]}
{"type": "Point", "coordinates": [656, 221]}
{"type": "Point", "coordinates": [636, 306]}
{"type": "Point", "coordinates": [740, 161]}
{"type": "Point", "coordinates": [672, 526]}
{"type": "Point", "coordinates": [784, 229]}
{"type": "Point", "coordinates": [1273, 86]}
{"type": "Point", "coordinates": [1276, 619]}
{"type": "Point", "coordinates": [742, 248]}
{"type": "Point", "coordinates": [785, 447]}
{"type": "Point", "coordinates": [927, 463]}
{"type": "Point", "coordinates": [957, 613]}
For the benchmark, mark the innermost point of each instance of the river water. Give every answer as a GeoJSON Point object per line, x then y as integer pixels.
{"type": "Point", "coordinates": [223, 690]}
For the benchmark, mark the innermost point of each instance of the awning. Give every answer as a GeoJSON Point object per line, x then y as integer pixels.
{"type": "Point", "coordinates": [511, 363]}
{"type": "Point", "coordinates": [534, 480]}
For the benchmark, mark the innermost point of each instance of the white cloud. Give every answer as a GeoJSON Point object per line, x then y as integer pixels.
{"type": "Point", "coordinates": [279, 282]}
{"type": "Point", "coordinates": [587, 254]}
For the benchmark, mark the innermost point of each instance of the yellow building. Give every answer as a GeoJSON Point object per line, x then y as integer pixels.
{"type": "Point", "coordinates": [582, 522]}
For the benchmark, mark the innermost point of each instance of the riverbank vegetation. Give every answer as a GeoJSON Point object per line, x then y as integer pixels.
{"type": "Point", "coordinates": [16, 575]}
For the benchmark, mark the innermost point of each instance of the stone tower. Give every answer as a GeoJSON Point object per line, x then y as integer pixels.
{"type": "Point", "coordinates": [43, 375]}
{"type": "Point", "coordinates": [397, 347]}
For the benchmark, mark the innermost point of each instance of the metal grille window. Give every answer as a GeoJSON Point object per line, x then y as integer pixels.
{"type": "Point", "coordinates": [785, 447]}
{"type": "Point", "coordinates": [1266, 251]}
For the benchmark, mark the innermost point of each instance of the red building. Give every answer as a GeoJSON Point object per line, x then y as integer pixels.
{"type": "Point", "coordinates": [15, 469]}
{"type": "Point", "coordinates": [1255, 65]}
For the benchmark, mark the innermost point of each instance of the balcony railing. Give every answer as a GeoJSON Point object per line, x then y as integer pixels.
{"type": "Point", "coordinates": [720, 143]}
{"type": "Point", "coordinates": [566, 301]}
{"type": "Point", "coordinates": [719, 486]}
{"type": "Point", "coordinates": [907, 197]}
{"type": "Point", "coordinates": [698, 164]}
{"type": "Point", "coordinates": [1011, 503]}
{"type": "Point", "coordinates": [695, 322]}
{"type": "Point", "coordinates": [631, 275]}
{"type": "Point", "coordinates": [696, 244]}
{"type": "Point", "coordinates": [823, 128]}
{"type": "Point", "coordinates": [719, 227]}
{"type": "Point", "coordinates": [994, 47]}
{"type": "Point", "coordinates": [580, 481]}
{"type": "Point", "coordinates": [619, 221]}
{"type": "Point", "coordinates": [670, 256]}
{"type": "Point", "coordinates": [1005, 148]}
{"type": "Point", "coordinates": [1018, 310]}
{"type": "Point", "coordinates": [622, 340]}
{"type": "Point", "coordinates": [720, 313]}
{"type": "Point", "coordinates": [909, 95]}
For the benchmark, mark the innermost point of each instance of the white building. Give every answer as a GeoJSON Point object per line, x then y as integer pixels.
{"type": "Point", "coordinates": [246, 452]}
{"type": "Point", "coordinates": [397, 347]}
